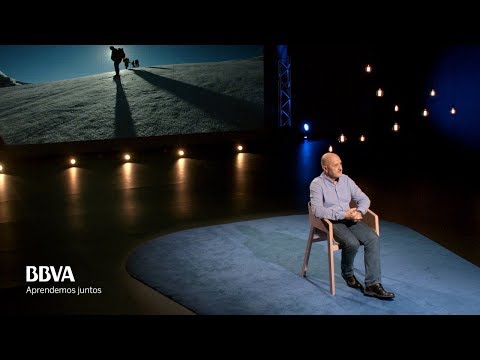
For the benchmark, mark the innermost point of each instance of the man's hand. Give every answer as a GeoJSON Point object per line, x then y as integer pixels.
{"type": "Point", "coordinates": [353, 214]}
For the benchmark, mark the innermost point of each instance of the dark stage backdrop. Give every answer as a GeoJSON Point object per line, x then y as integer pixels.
{"type": "Point", "coordinates": [334, 94]}
{"type": "Point", "coordinates": [68, 93]}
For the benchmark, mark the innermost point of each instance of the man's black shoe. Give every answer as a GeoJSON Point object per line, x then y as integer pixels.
{"type": "Point", "coordinates": [378, 291]}
{"type": "Point", "coordinates": [353, 282]}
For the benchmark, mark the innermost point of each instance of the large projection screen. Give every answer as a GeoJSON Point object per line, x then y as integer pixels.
{"type": "Point", "coordinates": [68, 93]}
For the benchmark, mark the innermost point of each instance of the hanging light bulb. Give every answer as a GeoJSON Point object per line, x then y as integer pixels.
{"type": "Point", "coordinates": [342, 138]}
{"type": "Point", "coordinates": [330, 148]}
{"type": "Point", "coordinates": [396, 127]}
{"type": "Point", "coordinates": [433, 93]}
{"type": "Point", "coordinates": [425, 113]}
{"type": "Point", "coordinates": [453, 111]}
{"type": "Point", "coordinates": [380, 92]}
{"type": "Point", "coordinates": [396, 108]}
{"type": "Point", "coordinates": [368, 69]}
{"type": "Point", "coordinates": [362, 138]}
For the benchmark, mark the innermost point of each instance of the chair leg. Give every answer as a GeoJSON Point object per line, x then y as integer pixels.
{"type": "Point", "coordinates": [331, 267]}
{"type": "Point", "coordinates": [303, 272]}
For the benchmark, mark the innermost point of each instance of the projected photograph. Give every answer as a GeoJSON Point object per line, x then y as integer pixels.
{"type": "Point", "coordinates": [67, 93]}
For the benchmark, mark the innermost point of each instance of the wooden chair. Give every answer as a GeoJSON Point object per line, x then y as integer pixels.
{"type": "Point", "coordinates": [322, 229]}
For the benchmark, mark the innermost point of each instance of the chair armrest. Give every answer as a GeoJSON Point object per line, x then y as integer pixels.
{"type": "Point", "coordinates": [371, 219]}
{"type": "Point", "coordinates": [323, 225]}
{"type": "Point", "coordinates": [329, 227]}
{"type": "Point", "coordinates": [320, 224]}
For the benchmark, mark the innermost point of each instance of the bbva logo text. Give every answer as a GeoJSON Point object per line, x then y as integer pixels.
{"type": "Point", "coordinates": [47, 273]}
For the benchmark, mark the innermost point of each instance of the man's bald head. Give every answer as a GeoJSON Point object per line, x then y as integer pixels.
{"type": "Point", "coordinates": [332, 165]}
{"type": "Point", "coordinates": [327, 158]}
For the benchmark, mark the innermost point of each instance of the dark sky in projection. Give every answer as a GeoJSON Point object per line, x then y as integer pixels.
{"type": "Point", "coordinates": [41, 63]}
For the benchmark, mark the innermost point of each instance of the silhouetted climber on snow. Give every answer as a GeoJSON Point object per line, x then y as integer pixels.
{"type": "Point", "coordinates": [126, 61]}
{"type": "Point", "coordinates": [117, 56]}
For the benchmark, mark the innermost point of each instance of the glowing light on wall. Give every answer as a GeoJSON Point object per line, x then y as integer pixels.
{"type": "Point", "coordinates": [241, 181]}
{"type": "Point", "coordinates": [182, 196]}
{"type": "Point", "coordinates": [127, 157]}
{"type": "Point", "coordinates": [330, 148]}
{"type": "Point", "coordinates": [425, 113]}
{"type": "Point", "coordinates": [453, 111]}
{"type": "Point", "coordinates": [1, 167]}
{"type": "Point", "coordinates": [342, 138]}
{"type": "Point", "coordinates": [396, 127]}
{"type": "Point", "coordinates": [396, 108]}
{"type": "Point", "coordinates": [3, 187]}
{"type": "Point", "coordinates": [433, 93]}
{"type": "Point", "coordinates": [379, 92]}
{"type": "Point", "coordinates": [181, 152]}
{"type": "Point", "coordinates": [7, 208]}
{"type": "Point", "coordinates": [130, 206]}
{"type": "Point", "coordinates": [73, 161]}
{"type": "Point", "coordinates": [74, 204]}
{"type": "Point", "coordinates": [72, 179]}
{"type": "Point", "coordinates": [126, 176]}
{"type": "Point", "coordinates": [362, 138]}
{"type": "Point", "coordinates": [239, 147]}
{"type": "Point", "coordinates": [368, 69]}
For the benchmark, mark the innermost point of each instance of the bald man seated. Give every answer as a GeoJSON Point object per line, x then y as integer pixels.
{"type": "Point", "coordinates": [330, 196]}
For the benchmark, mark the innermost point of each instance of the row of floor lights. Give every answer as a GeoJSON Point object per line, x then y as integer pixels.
{"type": "Point", "coordinates": [181, 152]}
{"type": "Point", "coordinates": [127, 157]}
